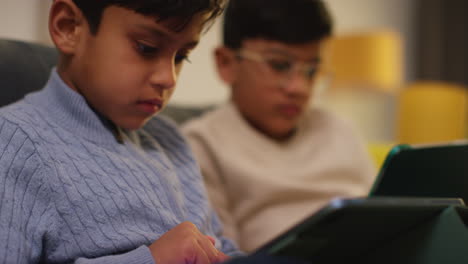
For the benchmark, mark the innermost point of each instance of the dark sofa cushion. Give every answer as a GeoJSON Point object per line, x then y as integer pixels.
{"type": "Point", "coordinates": [24, 67]}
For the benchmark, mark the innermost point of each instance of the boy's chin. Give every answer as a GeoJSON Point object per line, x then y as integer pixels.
{"type": "Point", "coordinates": [132, 124]}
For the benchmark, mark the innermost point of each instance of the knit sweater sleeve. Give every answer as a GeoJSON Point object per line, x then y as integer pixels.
{"type": "Point", "coordinates": [141, 255]}
{"type": "Point", "coordinates": [28, 217]}
{"type": "Point", "coordinates": [212, 176]}
{"type": "Point", "coordinates": [224, 231]}
{"type": "Point", "coordinates": [180, 154]}
{"type": "Point", "coordinates": [25, 197]}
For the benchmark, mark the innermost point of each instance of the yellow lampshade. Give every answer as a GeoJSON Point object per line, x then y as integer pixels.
{"type": "Point", "coordinates": [372, 60]}
{"type": "Point", "coordinates": [430, 112]}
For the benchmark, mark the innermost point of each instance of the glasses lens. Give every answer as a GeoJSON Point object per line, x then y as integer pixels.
{"type": "Point", "coordinates": [285, 67]}
{"type": "Point", "coordinates": [310, 72]}
{"type": "Point", "coordinates": [280, 65]}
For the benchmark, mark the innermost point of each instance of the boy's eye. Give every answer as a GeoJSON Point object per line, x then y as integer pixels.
{"type": "Point", "coordinates": [179, 58]}
{"type": "Point", "coordinates": [146, 50]}
{"type": "Point", "coordinates": [310, 72]}
{"type": "Point", "coordinates": [280, 66]}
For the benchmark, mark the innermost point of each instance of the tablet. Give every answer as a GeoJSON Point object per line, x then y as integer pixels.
{"type": "Point", "coordinates": [350, 228]}
{"type": "Point", "coordinates": [424, 171]}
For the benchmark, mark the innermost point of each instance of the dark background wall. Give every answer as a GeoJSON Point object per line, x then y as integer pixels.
{"type": "Point", "coordinates": [441, 28]}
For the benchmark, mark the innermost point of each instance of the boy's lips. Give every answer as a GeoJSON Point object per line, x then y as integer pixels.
{"type": "Point", "coordinates": [150, 106]}
{"type": "Point", "coordinates": [290, 110]}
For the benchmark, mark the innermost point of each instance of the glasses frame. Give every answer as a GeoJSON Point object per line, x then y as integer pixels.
{"type": "Point", "coordinates": [307, 70]}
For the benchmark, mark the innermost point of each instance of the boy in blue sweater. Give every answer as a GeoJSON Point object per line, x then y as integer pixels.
{"type": "Point", "coordinates": [86, 174]}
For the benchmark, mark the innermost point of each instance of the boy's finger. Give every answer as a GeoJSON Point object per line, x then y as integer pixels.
{"type": "Point", "coordinates": [204, 256]}
{"type": "Point", "coordinates": [208, 247]}
{"type": "Point", "coordinates": [212, 239]}
{"type": "Point", "coordinates": [222, 257]}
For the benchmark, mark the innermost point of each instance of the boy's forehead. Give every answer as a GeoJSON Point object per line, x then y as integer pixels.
{"type": "Point", "coordinates": [175, 24]}
{"type": "Point", "coordinates": [170, 28]}
{"type": "Point", "coordinates": [180, 24]}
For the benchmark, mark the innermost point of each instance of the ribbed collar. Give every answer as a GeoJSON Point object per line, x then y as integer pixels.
{"type": "Point", "coordinates": [69, 110]}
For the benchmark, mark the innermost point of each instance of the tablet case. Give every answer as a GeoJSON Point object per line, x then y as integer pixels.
{"type": "Point", "coordinates": [424, 171]}
{"type": "Point", "coordinates": [443, 239]}
{"type": "Point", "coordinates": [378, 230]}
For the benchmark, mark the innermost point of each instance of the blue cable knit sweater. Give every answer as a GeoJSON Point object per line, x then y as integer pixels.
{"type": "Point", "coordinates": [70, 192]}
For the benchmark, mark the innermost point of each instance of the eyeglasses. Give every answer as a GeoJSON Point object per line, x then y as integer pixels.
{"type": "Point", "coordinates": [282, 66]}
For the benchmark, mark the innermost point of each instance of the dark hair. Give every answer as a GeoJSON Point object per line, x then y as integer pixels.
{"type": "Point", "coordinates": [288, 21]}
{"type": "Point", "coordinates": [160, 9]}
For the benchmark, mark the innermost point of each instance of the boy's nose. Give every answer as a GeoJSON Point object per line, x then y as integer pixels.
{"type": "Point", "coordinates": [297, 84]}
{"type": "Point", "coordinates": [163, 75]}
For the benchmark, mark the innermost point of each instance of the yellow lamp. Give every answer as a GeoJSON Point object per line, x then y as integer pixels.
{"type": "Point", "coordinates": [368, 60]}
{"type": "Point", "coordinates": [431, 112]}
{"type": "Point", "coordinates": [366, 70]}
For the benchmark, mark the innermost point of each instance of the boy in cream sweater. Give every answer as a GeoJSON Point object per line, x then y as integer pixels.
{"type": "Point", "coordinates": [268, 160]}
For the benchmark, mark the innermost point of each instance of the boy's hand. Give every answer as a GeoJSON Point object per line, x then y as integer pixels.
{"type": "Point", "coordinates": [185, 244]}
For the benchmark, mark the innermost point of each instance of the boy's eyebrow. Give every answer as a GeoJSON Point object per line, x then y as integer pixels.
{"type": "Point", "coordinates": [161, 32]}
{"type": "Point", "coordinates": [192, 44]}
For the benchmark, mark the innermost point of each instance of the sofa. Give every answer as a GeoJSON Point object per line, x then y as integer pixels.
{"type": "Point", "coordinates": [25, 67]}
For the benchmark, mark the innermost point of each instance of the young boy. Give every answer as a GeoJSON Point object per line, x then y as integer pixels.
{"type": "Point", "coordinates": [268, 159]}
{"type": "Point", "coordinates": [85, 175]}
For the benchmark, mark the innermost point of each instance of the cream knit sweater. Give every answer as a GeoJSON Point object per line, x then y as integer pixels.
{"type": "Point", "coordinates": [261, 187]}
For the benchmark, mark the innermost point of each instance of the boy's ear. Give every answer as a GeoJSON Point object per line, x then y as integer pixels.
{"type": "Point", "coordinates": [66, 24]}
{"type": "Point", "coordinates": [226, 64]}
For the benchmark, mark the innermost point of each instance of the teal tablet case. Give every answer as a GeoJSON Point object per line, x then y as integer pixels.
{"type": "Point", "coordinates": [377, 230]}
{"type": "Point", "coordinates": [424, 171]}
{"type": "Point", "coordinates": [443, 239]}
